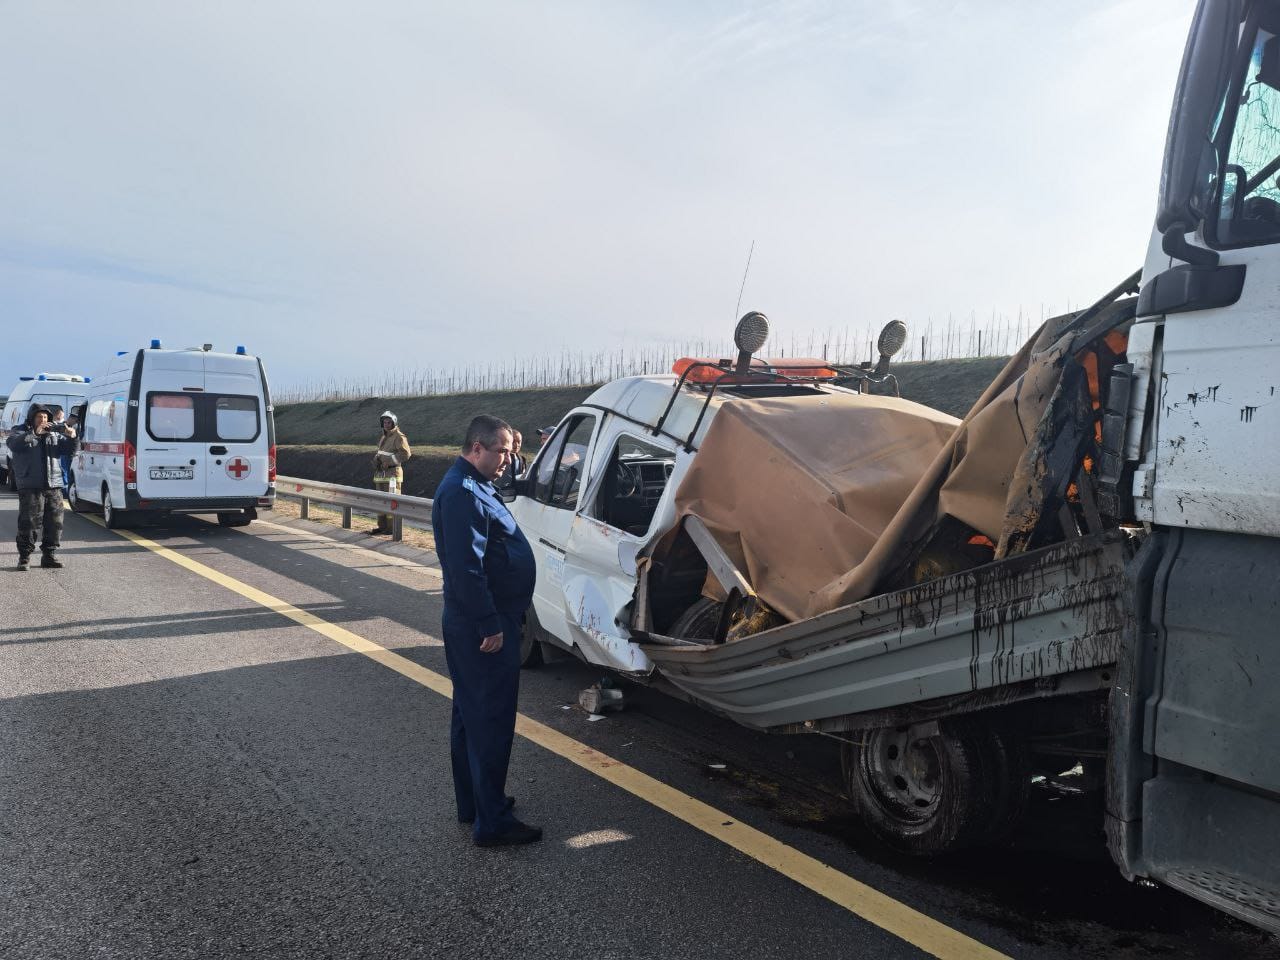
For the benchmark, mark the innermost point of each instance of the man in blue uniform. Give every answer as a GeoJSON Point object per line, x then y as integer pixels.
{"type": "Point", "coordinates": [488, 572]}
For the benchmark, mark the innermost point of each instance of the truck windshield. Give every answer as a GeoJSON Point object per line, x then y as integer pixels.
{"type": "Point", "coordinates": [1247, 194]}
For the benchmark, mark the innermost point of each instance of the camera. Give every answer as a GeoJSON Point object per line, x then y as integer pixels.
{"type": "Point", "coordinates": [58, 427]}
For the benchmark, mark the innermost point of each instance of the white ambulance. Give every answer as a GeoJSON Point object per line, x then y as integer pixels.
{"type": "Point", "coordinates": [177, 431]}
{"type": "Point", "coordinates": [65, 390]}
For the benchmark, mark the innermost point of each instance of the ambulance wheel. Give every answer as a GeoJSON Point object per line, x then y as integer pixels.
{"type": "Point", "coordinates": [234, 518]}
{"type": "Point", "coordinates": [112, 518]}
{"type": "Point", "coordinates": [73, 497]}
{"type": "Point", "coordinates": [530, 647]}
{"type": "Point", "coordinates": [925, 790]}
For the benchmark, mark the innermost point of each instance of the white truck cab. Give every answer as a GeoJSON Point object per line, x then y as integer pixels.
{"type": "Point", "coordinates": [177, 431]}
{"type": "Point", "coordinates": [65, 390]}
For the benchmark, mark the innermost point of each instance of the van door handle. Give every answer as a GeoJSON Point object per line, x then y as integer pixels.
{"type": "Point", "coordinates": [218, 450]}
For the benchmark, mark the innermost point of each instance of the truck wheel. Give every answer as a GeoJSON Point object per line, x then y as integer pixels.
{"type": "Point", "coordinates": [1010, 763]}
{"type": "Point", "coordinates": [234, 519]}
{"type": "Point", "coordinates": [113, 519]}
{"type": "Point", "coordinates": [923, 790]}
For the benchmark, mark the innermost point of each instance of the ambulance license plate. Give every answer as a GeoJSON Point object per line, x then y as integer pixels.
{"type": "Point", "coordinates": [172, 473]}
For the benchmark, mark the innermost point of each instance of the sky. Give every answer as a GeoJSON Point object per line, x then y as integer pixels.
{"type": "Point", "coordinates": [354, 188]}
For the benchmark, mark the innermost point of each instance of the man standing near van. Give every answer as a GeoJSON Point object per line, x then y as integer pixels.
{"type": "Point", "coordinates": [388, 470]}
{"type": "Point", "coordinates": [36, 450]}
{"type": "Point", "coordinates": [488, 573]}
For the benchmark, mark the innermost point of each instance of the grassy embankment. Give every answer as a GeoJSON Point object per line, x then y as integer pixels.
{"type": "Point", "coordinates": [334, 441]}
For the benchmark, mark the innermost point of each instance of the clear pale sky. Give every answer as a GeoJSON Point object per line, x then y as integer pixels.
{"type": "Point", "coordinates": [351, 187]}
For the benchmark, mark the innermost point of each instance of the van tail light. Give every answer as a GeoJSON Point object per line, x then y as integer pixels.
{"type": "Point", "coordinates": [271, 464]}
{"type": "Point", "coordinates": [130, 463]}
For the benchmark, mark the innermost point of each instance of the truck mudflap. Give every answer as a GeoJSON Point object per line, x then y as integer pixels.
{"type": "Point", "coordinates": [1025, 621]}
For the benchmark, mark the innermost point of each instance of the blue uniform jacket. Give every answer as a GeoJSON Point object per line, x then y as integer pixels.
{"type": "Point", "coordinates": [487, 563]}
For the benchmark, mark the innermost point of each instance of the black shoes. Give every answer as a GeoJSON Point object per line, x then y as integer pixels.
{"type": "Point", "coordinates": [511, 802]}
{"type": "Point", "coordinates": [515, 834]}
{"type": "Point", "coordinates": [379, 532]}
{"type": "Point", "coordinates": [48, 561]}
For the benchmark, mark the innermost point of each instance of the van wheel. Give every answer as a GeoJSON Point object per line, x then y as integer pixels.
{"type": "Point", "coordinates": [530, 648]}
{"type": "Point", "coordinates": [73, 497]}
{"type": "Point", "coordinates": [229, 518]}
{"type": "Point", "coordinates": [698, 622]}
{"type": "Point", "coordinates": [926, 790]}
{"type": "Point", "coordinates": [113, 519]}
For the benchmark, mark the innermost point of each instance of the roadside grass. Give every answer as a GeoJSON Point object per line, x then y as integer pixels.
{"type": "Point", "coordinates": [439, 420]}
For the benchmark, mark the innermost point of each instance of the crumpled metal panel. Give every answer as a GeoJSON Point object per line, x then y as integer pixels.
{"type": "Point", "coordinates": [1042, 614]}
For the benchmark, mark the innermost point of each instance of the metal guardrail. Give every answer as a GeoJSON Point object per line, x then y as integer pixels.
{"type": "Point", "coordinates": [401, 507]}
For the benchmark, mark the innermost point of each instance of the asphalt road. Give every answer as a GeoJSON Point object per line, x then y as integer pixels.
{"type": "Point", "coordinates": [187, 773]}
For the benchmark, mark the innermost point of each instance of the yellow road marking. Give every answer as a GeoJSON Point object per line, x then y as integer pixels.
{"type": "Point", "coordinates": [897, 918]}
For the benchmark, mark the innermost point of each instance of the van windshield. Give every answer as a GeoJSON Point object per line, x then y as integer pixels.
{"type": "Point", "coordinates": [203, 417]}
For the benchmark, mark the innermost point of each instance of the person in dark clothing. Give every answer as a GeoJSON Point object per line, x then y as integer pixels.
{"type": "Point", "coordinates": [36, 449]}
{"type": "Point", "coordinates": [59, 416]}
{"type": "Point", "coordinates": [513, 471]}
{"type": "Point", "coordinates": [488, 570]}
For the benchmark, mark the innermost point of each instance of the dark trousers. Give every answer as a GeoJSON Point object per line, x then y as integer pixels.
{"type": "Point", "coordinates": [39, 511]}
{"type": "Point", "coordinates": [485, 687]}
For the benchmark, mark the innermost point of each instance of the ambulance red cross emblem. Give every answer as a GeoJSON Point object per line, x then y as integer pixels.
{"type": "Point", "coordinates": [238, 468]}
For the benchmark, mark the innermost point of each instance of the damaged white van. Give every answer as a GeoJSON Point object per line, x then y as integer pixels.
{"type": "Point", "coordinates": [177, 431]}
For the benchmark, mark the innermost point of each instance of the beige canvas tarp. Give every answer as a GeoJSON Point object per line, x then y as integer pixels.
{"type": "Point", "coordinates": [797, 490]}
{"type": "Point", "coordinates": [819, 511]}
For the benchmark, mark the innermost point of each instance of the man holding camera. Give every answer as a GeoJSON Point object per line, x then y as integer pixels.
{"type": "Point", "coordinates": [36, 451]}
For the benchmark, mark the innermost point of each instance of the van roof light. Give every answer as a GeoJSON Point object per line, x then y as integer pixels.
{"type": "Point", "coordinates": [240, 350]}
{"type": "Point", "coordinates": [121, 353]}
{"type": "Point", "coordinates": [155, 344]}
{"type": "Point", "coordinates": [88, 379]}
{"type": "Point", "coordinates": [42, 377]}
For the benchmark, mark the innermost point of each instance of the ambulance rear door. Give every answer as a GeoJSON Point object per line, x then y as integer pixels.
{"type": "Point", "coordinates": [171, 459]}
{"type": "Point", "coordinates": [236, 447]}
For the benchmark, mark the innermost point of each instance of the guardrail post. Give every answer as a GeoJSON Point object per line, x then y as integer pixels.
{"type": "Point", "coordinates": [346, 518]}
{"type": "Point", "coordinates": [306, 509]}
{"type": "Point", "coordinates": [397, 528]}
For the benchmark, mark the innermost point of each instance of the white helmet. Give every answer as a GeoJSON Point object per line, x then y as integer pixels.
{"type": "Point", "coordinates": [388, 415]}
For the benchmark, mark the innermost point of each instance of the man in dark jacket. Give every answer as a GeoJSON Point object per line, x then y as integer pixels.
{"type": "Point", "coordinates": [488, 573]}
{"type": "Point", "coordinates": [36, 451]}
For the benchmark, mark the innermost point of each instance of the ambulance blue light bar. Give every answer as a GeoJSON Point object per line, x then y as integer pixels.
{"type": "Point", "coordinates": [155, 344]}
{"type": "Point", "coordinates": [240, 350]}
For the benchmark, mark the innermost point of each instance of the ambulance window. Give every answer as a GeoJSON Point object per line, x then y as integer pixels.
{"type": "Point", "coordinates": [236, 418]}
{"type": "Point", "coordinates": [171, 416]}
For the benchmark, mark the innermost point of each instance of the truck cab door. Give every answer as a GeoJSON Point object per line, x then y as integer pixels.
{"type": "Point", "coordinates": [1194, 776]}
